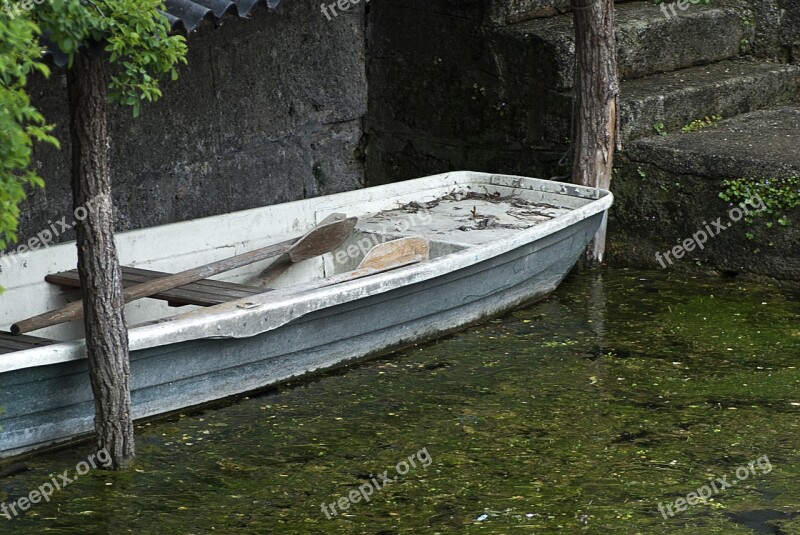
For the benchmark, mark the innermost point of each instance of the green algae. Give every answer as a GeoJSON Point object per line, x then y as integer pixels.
{"type": "Point", "coordinates": [579, 414]}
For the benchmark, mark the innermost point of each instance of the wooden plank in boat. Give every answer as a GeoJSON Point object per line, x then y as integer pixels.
{"type": "Point", "coordinates": [10, 343]}
{"type": "Point", "coordinates": [205, 292]}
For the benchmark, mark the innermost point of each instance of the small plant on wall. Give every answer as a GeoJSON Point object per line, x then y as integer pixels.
{"type": "Point", "coordinates": [780, 197]}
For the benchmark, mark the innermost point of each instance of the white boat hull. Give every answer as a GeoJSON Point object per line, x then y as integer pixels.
{"type": "Point", "coordinates": [226, 350]}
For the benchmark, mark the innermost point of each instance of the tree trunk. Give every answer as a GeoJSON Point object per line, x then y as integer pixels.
{"type": "Point", "coordinates": [597, 97]}
{"type": "Point", "coordinates": [98, 263]}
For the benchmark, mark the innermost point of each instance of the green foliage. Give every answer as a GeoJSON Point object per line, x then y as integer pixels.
{"type": "Point", "coordinates": [137, 39]}
{"type": "Point", "coordinates": [779, 195]}
{"type": "Point", "coordinates": [21, 124]}
{"type": "Point", "coordinates": [136, 36]}
{"type": "Point", "coordinates": [660, 129]}
{"type": "Point", "coordinates": [699, 124]}
{"type": "Point", "coordinates": [745, 46]}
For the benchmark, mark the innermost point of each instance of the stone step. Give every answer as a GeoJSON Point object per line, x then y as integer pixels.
{"type": "Point", "coordinates": [648, 42]}
{"type": "Point", "coordinates": [513, 11]}
{"type": "Point", "coordinates": [674, 99]}
{"type": "Point", "coordinates": [758, 144]}
{"type": "Point", "coordinates": [727, 88]}
{"type": "Point", "coordinates": [667, 190]}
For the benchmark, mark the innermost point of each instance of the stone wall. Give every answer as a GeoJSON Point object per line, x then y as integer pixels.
{"type": "Point", "coordinates": [511, 11]}
{"type": "Point", "coordinates": [484, 84]}
{"type": "Point", "coordinates": [268, 110]}
{"type": "Point", "coordinates": [449, 91]}
{"type": "Point", "coordinates": [776, 24]}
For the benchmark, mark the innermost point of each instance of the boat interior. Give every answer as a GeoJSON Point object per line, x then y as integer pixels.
{"type": "Point", "coordinates": [452, 215]}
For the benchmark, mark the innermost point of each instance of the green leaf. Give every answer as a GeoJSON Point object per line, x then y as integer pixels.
{"type": "Point", "coordinates": [137, 37]}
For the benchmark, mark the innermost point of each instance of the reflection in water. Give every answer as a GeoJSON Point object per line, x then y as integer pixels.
{"type": "Point", "coordinates": [578, 414]}
{"type": "Point", "coordinates": [597, 306]}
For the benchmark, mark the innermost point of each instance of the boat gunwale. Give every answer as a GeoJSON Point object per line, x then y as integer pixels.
{"type": "Point", "coordinates": [246, 317]}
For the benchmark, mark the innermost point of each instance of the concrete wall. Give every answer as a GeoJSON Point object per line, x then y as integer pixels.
{"type": "Point", "coordinates": [467, 85]}
{"type": "Point", "coordinates": [486, 85]}
{"type": "Point", "coordinates": [267, 110]}
{"type": "Point", "coordinates": [446, 92]}
{"type": "Point", "coordinates": [777, 26]}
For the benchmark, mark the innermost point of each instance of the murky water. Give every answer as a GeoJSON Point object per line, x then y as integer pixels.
{"type": "Point", "coordinates": [580, 414]}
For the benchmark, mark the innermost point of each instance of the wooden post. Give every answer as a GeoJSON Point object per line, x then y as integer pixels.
{"type": "Point", "coordinates": [597, 118]}
{"type": "Point", "coordinates": [98, 263]}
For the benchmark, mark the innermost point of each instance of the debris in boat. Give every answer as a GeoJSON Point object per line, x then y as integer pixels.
{"type": "Point", "coordinates": [528, 208]}
{"type": "Point", "coordinates": [490, 222]}
{"type": "Point", "coordinates": [525, 214]}
{"type": "Point", "coordinates": [487, 223]}
{"type": "Point", "coordinates": [413, 207]}
{"type": "Point", "coordinates": [488, 210]}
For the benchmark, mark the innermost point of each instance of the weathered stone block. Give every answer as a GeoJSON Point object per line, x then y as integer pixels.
{"type": "Point", "coordinates": [268, 110]}
{"type": "Point", "coordinates": [667, 188]}
{"type": "Point", "coordinates": [512, 11]}
{"type": "Point", "coordinates": [727, 88]}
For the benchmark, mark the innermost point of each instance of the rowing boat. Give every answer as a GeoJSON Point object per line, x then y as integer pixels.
{"type": "Point", "coordinates": [493, 243]}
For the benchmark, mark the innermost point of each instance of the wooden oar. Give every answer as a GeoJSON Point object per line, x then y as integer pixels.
{"type": "Point", "coordinates": [395, 251]}
{"type": "Point", "coordinates": [380, 259]}
{"type": "Point", "coordinates": [285, 261]}
{"type": "Point", "coordinates": [319, 240]}
{"type": "Point", "coordinates": [383, 257]}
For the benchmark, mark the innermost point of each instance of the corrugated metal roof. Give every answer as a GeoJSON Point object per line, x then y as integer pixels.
{"type": "Point", "coordinates": [187, 15]}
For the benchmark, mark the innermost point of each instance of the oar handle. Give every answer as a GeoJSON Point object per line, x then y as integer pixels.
{"type": "Point", "coordinates": [329, 234]}
{"type": "Point", "coordinates": [74, 311]}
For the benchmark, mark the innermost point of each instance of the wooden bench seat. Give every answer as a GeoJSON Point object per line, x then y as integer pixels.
{"type": "Point", "coordinates": [205, 292]}
{"type": "Point", "coordinates": [10, 343]}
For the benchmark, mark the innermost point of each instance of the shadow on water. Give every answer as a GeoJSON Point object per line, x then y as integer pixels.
{"type": "Point", "coordinates": [590, 412]}
{"type": "Point", "coordinates": [764, 521]}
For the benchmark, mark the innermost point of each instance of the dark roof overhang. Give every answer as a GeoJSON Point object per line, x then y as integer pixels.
{"type": "Point", "coordinates": [186, 16]}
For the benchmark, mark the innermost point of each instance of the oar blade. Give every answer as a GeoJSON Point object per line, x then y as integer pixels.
{"type": "Point", "coordinates": [284, 262]}
{"type": "Point", "coordinates": [396, 252]}
{"type": "Point", "coordinates": [322, 239]}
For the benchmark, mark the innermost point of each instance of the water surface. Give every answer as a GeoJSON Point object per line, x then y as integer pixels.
{"type": "Point", "coordinates": [580, 414]}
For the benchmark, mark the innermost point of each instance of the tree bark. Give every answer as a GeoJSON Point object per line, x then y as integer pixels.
{"type": "Point", "coordinates": [597, 102]}
{"type": "Point", "coordinates": [98, 263]}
